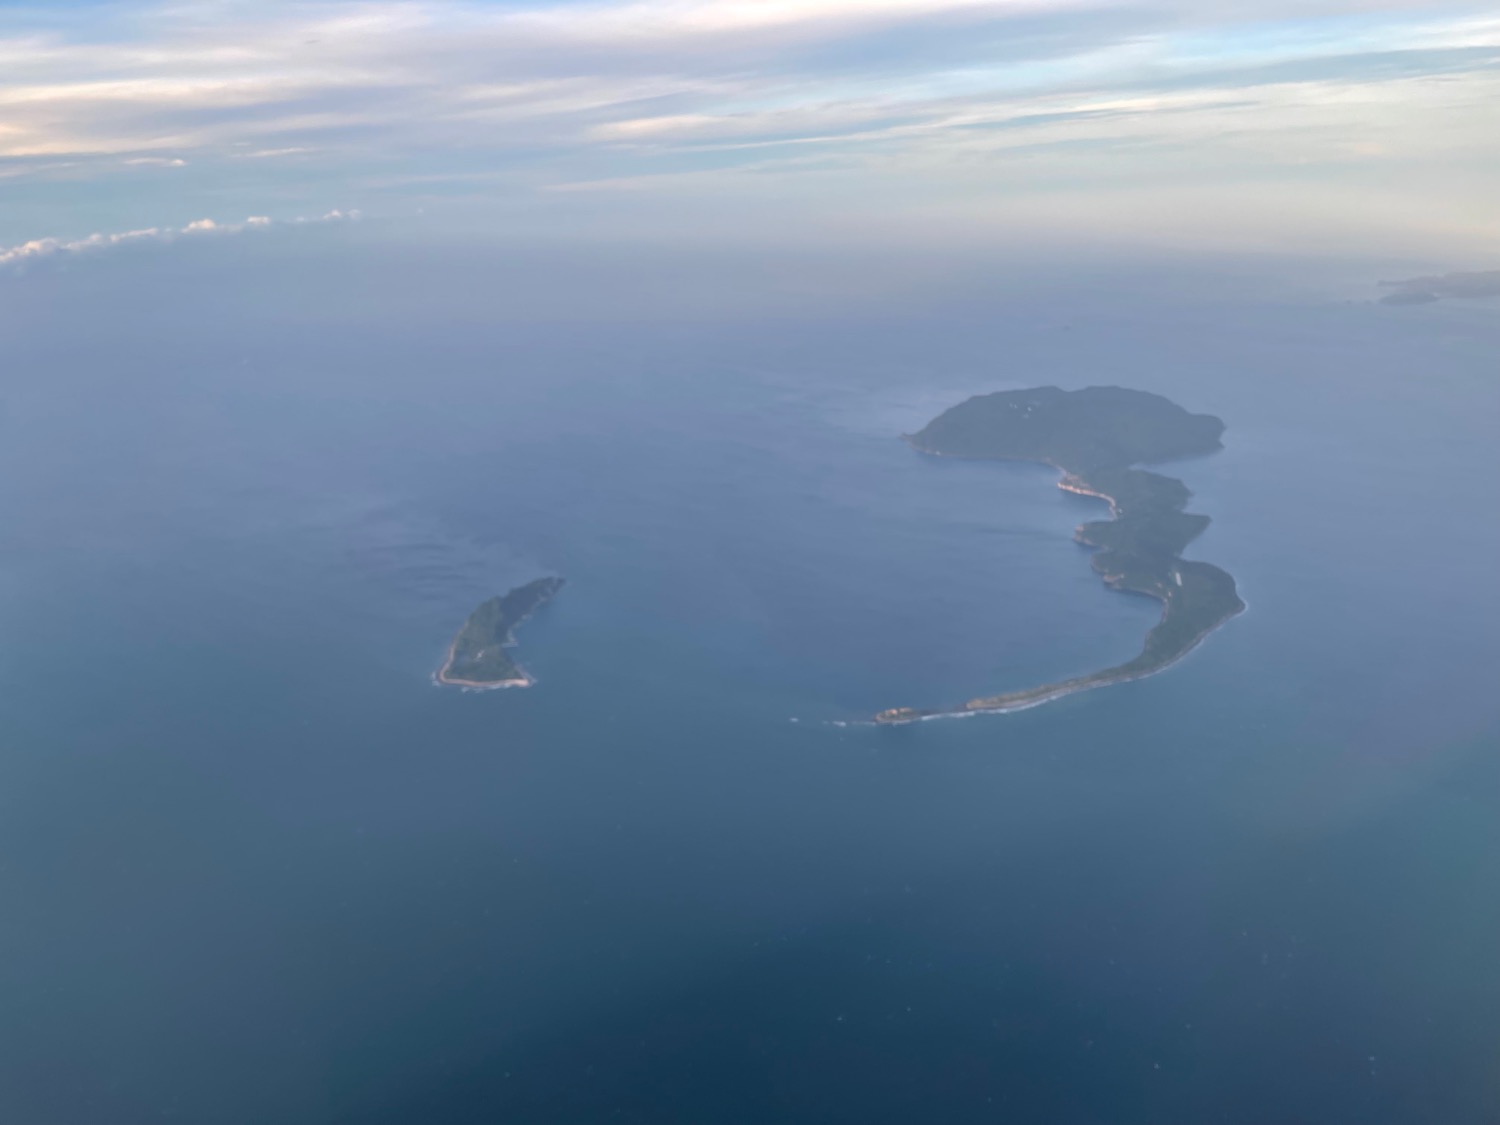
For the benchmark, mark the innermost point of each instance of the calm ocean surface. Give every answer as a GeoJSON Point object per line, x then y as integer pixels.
{"type": "Point", "coordinates": [255, 867]}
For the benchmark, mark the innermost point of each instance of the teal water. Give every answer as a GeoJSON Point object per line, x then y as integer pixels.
{"type": "Point", "coordinates": [255, 866]}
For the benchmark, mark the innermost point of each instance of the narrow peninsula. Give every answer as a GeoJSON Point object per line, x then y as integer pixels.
{"type": "Point", "coordinates": [479, 656]}
{"type": "Point", "coordinates": [1095, 437]}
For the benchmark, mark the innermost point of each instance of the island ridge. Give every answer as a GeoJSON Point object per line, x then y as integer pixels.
{"type": "Point", "coordinates": [478, 656]}
{"type": "Point", "coordinates": [1094, 437]}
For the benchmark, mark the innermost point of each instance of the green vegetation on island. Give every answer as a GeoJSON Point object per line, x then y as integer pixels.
{"type": "Point", "coordinates": [1094, 437]}
{"type": "Point", "coordinates": [479, 656]}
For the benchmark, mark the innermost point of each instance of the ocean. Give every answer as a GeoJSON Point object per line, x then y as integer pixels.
{"type": "Point", "coordinates": [256, 867]}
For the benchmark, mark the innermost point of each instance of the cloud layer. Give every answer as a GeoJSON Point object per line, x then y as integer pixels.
{"type": "Point", "coordinates": [986, 110]}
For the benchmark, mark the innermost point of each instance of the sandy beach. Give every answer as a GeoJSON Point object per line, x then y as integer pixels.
{"type": "Point", "coordinates": [442, 679]}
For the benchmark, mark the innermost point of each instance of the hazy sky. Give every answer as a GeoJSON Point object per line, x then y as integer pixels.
{"type": "Point", "coordinates": [1369, 125]}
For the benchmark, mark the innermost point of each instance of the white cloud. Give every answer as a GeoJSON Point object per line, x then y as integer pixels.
{"type": "Point", "coordinates": [39, 248]}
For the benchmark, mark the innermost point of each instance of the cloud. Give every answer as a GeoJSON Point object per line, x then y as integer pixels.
{"type": "Point", "coordinates": [419, 100]}
{"type": "Point", "coordinates": [265, 153]}
{"type": "Point", "coordinates": [38, 249]}
{"type": "Point", "coordinates": [677, 21]}
{"type": "Point", "coordinates": [1425, 290]}
{"type": "Point", "coordinates": [183, 78]}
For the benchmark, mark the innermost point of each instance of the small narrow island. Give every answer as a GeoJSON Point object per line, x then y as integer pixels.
{"type": "Point", "coordinates": [479, 657]}
{"type": "Point", "coordinates": [1094, 437]}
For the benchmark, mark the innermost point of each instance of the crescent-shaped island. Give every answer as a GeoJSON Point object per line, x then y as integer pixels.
{"type": "Point", "coordinates": [1095, 437]}
{"type": "Point", "coordinates": [479, 657]}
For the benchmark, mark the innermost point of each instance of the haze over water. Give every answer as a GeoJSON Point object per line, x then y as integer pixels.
{"type": "Point", "coordinates": [256, 867]}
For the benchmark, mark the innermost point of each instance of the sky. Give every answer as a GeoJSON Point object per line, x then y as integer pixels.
{"type": "Point", "coordinates": [1363, 126]}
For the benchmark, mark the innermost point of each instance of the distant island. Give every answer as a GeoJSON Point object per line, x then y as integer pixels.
{"type": "Point", "coordinates": [478, 656]}
{"type": "Point", "coordinates": [1425, 290]}
{"type": "Point", "coordinates": [1094, 437]}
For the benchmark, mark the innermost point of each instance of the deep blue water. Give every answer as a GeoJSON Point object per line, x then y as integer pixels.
{"type": "Point", "coordinates": [255, 867]}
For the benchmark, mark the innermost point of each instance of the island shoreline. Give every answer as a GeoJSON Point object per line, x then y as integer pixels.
{"type": "Point", "coordinates": [525, 679]}
{"type": "Point", "coordinates": [1052, 693]}
{"type": "Point", "coordinates": [442, 679]}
